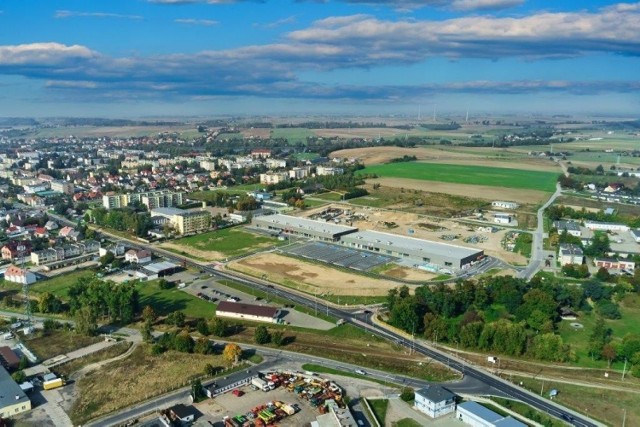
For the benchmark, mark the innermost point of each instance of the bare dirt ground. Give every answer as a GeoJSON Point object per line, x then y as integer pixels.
{"type": "Point", "coordinates": [478, 191]}
{"type": "Point", "coordinates": [374, 155]}
{"type": "Point", "coordinates": [407, 273]}
{"type": "Point", "coordinates": [423, 228]}
{"type": "Point", "coordinates": [189, 250]}
{"type": "Point", "coordinates": [311, 278]}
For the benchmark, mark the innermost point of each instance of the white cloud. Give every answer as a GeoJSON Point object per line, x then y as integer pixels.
{"type": "Point", "coordinates": [41, 54]}
{"type": "Point", "coordinates": [275, 24]}
{"type": "Point", "coordinates": [61, 14]}
{"type": "Point", "coordinates": [202, 22]}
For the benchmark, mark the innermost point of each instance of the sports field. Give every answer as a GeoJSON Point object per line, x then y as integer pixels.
{"type": "Point", "coordinates": [467, 174]}
{"type": "Point", "coordinates": [220, 244]}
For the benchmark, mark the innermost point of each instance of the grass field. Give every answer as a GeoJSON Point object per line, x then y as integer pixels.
{"type": "Point", "coordinates": [379, 408]}
{"type": "Point", "coordinates": [58, 342]}
{"type": "Point", "coordinates": [602, 404]}
{"type": "Point", "coordinates": [229, 242]}
{"type": "Point", "coordinates": [165, 301]}
{"type": "Point", "coordinates": [293, 135]}
{"type": "Point", "coordinates": [466, 174]}
{"type": "Point", "coordinates": [59, 285]}
{"type": "Point", "coordinates": [406, 422]}
{"type": "Point", "coordinates": [134, 379]}
{"type": "Point", "coordinates": [330, 196]}
{"type": "Point", "coordinates": [75, 365]}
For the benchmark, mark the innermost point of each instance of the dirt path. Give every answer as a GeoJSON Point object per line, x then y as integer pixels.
{"type": "Point", "coordinates": [97, 365]}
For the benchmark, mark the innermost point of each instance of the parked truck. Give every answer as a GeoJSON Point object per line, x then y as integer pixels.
{"type": "Point", "coordinates": [260, 384]}
{"type": "Point", "coordinates": [51, 384]}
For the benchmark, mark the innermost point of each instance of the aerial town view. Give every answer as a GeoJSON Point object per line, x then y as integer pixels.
{"type": "Point", "coordinates": [337, 213]}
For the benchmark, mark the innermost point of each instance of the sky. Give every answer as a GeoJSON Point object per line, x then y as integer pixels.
{"type": "Point", "coordinates": [143, 58]}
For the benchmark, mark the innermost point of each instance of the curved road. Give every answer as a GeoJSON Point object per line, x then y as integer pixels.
{"type": "Point", "coordinates": [537, 254]}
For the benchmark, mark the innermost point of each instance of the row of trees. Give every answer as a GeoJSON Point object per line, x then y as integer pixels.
{"type": "Point", "coordinates": [126, 219]}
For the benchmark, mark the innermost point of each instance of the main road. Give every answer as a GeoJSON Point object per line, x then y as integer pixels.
{"type": "Point", "coordinates": [504, 387]}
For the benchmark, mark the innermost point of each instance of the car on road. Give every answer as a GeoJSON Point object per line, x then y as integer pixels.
{"type": "Point", "coordinates": [233, 299]}
{"type": "Point", "coordinates": [203, 287]}
{"type": "Point", "coordinates": [360, 372]}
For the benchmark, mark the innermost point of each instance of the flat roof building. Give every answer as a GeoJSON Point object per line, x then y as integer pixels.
{"type": "Point", "coordinates": [185, 221]}
{"type": "Point", "coordinates": [13, 400]}
{"type": "Point", "coordinates": [259, 313]}
{"type": "Point", "coordinates": [571, 227]}
{"type": "Point", "coordinates": [303, 227]}
{"type": "Point", "coordinates": [476, 415]}
{"type": "Point", "coordinates": [427, 253]}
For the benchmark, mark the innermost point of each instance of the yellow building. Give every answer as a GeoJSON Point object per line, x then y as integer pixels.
{"type": "Point", "coordinates": [13, 400]}
{"type": "Point", "coordinates": [185, 222]}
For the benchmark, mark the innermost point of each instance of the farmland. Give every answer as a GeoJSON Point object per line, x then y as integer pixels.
{"type": "Point", "coordinates": [293, 135]}
{"type": "Point", "coordinates": [470, 175]}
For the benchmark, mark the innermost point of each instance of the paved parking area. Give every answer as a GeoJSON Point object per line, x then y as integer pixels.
{"type": "Point", "coordinates": [339, 255]}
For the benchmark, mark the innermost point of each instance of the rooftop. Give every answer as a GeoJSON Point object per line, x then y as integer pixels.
{"type": "Point", "coordinates": [570, 249]}
{"type": "Point", "coordinates": [247, 309]}
{"type": "Point", "coordinates": [10, 391]}
{"type": "Point", "coordinates": [566, 225]}
{"type": "Point", "coordinates": [480, 411]}
{"type": "Point", "coordinates": [285, 221]}
{"type": "Point", "coordinates": [158, 267]}
{"type": "Point", "coordinates": [412, 244]}
{"type": "Point", "coordinates": [435, 393]}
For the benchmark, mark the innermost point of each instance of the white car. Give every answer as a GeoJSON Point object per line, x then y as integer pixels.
{"type": "Point", "coordinates": [361, 372]}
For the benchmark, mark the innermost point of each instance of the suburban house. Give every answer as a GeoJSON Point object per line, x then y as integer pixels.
{"type": "Point", "coordinates": [435, 401]}
{"type": "Point", "coordinates": [14, 249]}
{"type": "Point", "coordinates": [50, 255]}
{"type": "Point", "coordinates": [41, 232]}
{"type": "Point", "coordinates": [476, 415]}
{"type": "Point", "coordinates": [570, 254]}
{"type": "Point", "coordinates": [117, 249]}
{"type": "Point", "coordinates": [19, 275]}
{"type": "Point", "coordinates": [614, 264]}
{"type": "Point", "coordinates": [138, 256]}
{"type": "Point", "coordinates": [51, 225]}
{"type": "Point", "coordinates": [260, 313]}
{"type": "Point", "coordinates": [571, 227]}
{"type": "Point", "coordinates": [183, 413]}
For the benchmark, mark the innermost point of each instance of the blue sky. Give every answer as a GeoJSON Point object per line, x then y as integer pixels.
{"type": "Point", "coordinates": [208, 57]}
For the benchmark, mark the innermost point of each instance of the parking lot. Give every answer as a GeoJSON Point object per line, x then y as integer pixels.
{"type": "Point", "coordinates": [339, 255]}
{"type": "Point", "coordinates": [230, 405]}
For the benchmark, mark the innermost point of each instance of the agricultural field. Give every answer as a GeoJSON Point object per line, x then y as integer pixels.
{"type": "Point", "coordinates": [112, 131]}
{"type": "Point", "coordinates": [222, 244]}
{"type": "Point", "coordinates": [293, 135]}
{"type": "Point", "coordinates": [467, 174]}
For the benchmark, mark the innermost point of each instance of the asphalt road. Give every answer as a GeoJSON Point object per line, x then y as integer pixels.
{"type": "Point", "coordinates": [504, 387]}
{"type": "Point", "coordinates": [537, 251]}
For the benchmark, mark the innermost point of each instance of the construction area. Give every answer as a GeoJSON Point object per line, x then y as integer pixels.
{"type": "Point", "coordinates": [469, 232]}
{"type": "Point", "coordinates": [277, 398]}
{"type": "Point", "coordinates": [338, 255]}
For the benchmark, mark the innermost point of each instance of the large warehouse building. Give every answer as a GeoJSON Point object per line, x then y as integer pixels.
{"type": "Point", "coordinates": [423, 253]}
{"type": "Point", "coordinates": [303, 227]}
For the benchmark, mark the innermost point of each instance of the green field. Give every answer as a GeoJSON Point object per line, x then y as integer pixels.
{"type": "Point", "coordinates": [165, 301]}
{"type": "Point", "coordinates": [464, 174]}
{"type": "Point", "coordinates": [230, 242]}
{"type": "Point", "coordinates": [293, 135]}
{"type": "Point", "coordinates": [59, 285]}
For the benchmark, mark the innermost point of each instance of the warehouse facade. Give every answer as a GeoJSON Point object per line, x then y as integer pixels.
{"type": "Point", "coordinates": [302, 227]}
{"type": "Point", "coordinates": [424, 253]}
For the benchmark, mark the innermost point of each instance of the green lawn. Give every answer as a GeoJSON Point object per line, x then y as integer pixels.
{"type": "Point", "coordinates": [311, 203]}
{"type": "Point", "coordinates": [59, 285]}
{"type": "Point", "coordinates": [465, 174]}
{"type": "Point", "coordinates": [333, 197]}
{"type": "Point", "coordinates": [523, 244]}
{"type": "Point", "coordinates": [323, 370]}
{"type": "Point", "coordinates": [305, 156]}
{"type": "Point", "coordinates": [230, 242]}
{"type": "Point", "coordinates": [379, 408]}
{"type": "Point", "coordinates": [292, 135]}
{"type": "Point", "coordinates": [165, 301]}
{"type": "Point", "coordinates": [406, 422]}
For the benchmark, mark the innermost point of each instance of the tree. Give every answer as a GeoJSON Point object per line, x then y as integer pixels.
{"type": "Point", "coordinates": [197, 391]}
{"type": "Point", "coordinates": [19, 377]}
{"type": "Point", "coordinates": [203, 346]}
{"type": "Point", "coordinates": [176, 318]}
{"type": "Point", "coordinates": [407, 394]}
{"type": "Point", "coordinates": [600, 336]}
{"type": "Point", "coordinates": [24, 363]}
{"type": "Point", "coordinates": [147, 332]}
{"type": "Point", "coordinates": [608, 309]}
{"type": "Point", "coordinates": [277, 338]}
{"type": "Point", "coordinates": [49, 303]}
{"type": "Point", "coordinates": [107, 259]}
{"type": "Point", "coordinates": [183, 342]}
{"type": "Point", "coordinates": [165, 284]}
{"type": "Point", "coordinates": [148, 314]}
{"type": "Point", "coordinates": [202, 327]}
{"type": "Point", "coordinates": [218, 327]}
{"type": "Point", "coordinates": [210, 370]}
{"type": "Point", "coordinates": [608, 353]}
{"type": "Point", "coordinates": [603, 274]}
{"type": "Point", "coordinates": [261, 335]}
{"type": "Point", "coordinates": [86, 323]}
{"type": "Point", "coordinates": [232, 353]}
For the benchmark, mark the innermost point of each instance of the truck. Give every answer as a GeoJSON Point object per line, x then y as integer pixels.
{"type": "Point", "coordinates": [51, 384]}
{"type": "Point", "coordinates": [260, 384]}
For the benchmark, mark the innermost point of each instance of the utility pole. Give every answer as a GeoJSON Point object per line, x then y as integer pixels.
{"type": "Point", "coordinates": [624, 417]}
{"type": "Point", "coordinates": [624, 370]}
